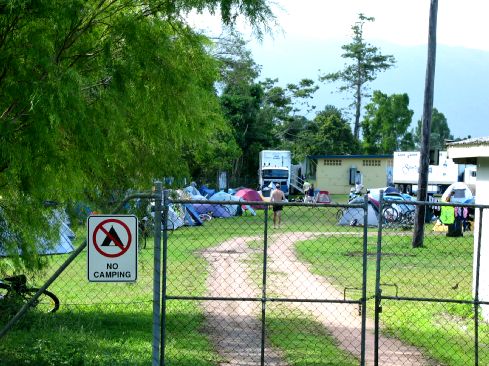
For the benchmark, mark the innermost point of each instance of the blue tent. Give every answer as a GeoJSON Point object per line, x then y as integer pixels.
{"type": "Point", "coordinates": [174, 220]}
{"type": "Point", "coordinates": [191, 216]}
{"type": "Point", "coordinates": [223, 196]}
{"type": "Point", "coordinates": [191, 190]}
{"type": "Point", "coordinates": [206, 192]}
{"type": "Point", "coordinates": [64, 244]}
{"type": "Point", "coordinates": [214, 210]}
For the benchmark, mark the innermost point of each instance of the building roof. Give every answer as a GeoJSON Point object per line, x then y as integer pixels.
{"type": "Point", "coordinates": [383, 156]}
{"type": "Point", "coordinates": [470, 142]}
{"type": "Point", "coordinates": [467, 151]}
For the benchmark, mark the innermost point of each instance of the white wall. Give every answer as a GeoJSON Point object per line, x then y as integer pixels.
{"type": "Point", "coordinates": [482, 197]}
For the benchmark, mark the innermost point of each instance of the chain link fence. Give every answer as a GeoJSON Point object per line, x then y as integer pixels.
{"type": "Point", "coordinates": [330, 285]}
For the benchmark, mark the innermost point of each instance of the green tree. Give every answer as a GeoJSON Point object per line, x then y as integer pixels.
{"type": "Point", "coordinates": [329, 133]}
{"type": "Point", "coordinates": [439, 131]}
{"type": "Point", "coordinates": [241, 100]}
{"type": "Point", "coordinates": [263, 115]}
{"type": "Point", "coordinates": [366, 62]}
{"type": "Point", "coordinates": [386, 122]}
{"type": "Point", "coordinates": [285, 106]}
{"type": "Point", "coordinates": [99, 96]}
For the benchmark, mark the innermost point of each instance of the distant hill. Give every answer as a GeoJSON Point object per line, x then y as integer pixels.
{"type": "Point", "coordinates": [461, 80]}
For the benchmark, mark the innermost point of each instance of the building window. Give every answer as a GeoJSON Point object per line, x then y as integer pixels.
{"type": "Point", "coordinates": [371, 162]}
{"type": "Point", "coordinates": [390, 162]}
{"type": "Point", "coordinates": [332, 162]}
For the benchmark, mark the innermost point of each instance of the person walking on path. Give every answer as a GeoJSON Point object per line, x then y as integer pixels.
{"type": "Point", "coordinates": [310, 193]}
{"type": "Point", "coordinates": [277, 197]}
{"type": "Point", "coordinates": [306, 187]}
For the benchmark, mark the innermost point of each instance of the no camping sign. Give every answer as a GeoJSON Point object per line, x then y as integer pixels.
{"type": "Point", "coordinates": [112, 248]}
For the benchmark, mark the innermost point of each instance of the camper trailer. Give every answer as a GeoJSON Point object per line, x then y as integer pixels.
{"type": "Point", "coordinates": [275, 167]}
{"type": "Point", "coordinates": [441, 174]}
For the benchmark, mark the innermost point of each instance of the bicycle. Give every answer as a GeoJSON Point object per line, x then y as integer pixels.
{"type": "Point", "coordinates": [390, 214]}
{"type": "Point", "coordinates": [14, 292]}
{"type": "Point", "coordinates": [407, 218]}
{"type": "Point", "coordinates": [205, 217]}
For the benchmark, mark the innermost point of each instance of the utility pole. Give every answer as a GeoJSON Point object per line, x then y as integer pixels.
{"type": "Point", "coordinates": [424, 157]}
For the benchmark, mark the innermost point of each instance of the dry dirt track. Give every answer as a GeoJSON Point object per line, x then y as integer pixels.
{"type": "Point", "coordinates": [235, 327]}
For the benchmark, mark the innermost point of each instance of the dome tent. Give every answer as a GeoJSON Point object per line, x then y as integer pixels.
{"type": "Point", "coordinates": [461, 193]}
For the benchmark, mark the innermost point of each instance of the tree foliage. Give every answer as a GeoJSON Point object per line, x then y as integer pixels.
{"type": "Point", "coordinates": [241, 98]}
{"type": "Point", "coordinates": [285, 106]}
{"type": "Point", "coordinates": [386, 124]}
{"type": "Point", "coordinates": [99, 96]}
{"type": "Point", "coordinates": [439, 131]}
{"type": "Point", "coordinates": [365, 61]}
{"type": "Point", "coordinates": [263, 114]}
{"type": "Point", "coordinates": [328, 133]}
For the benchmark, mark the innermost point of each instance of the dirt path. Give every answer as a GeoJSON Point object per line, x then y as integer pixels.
{"type": "Point", "coordinates": [235, 328]}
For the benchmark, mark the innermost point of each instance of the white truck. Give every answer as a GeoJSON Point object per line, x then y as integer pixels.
{"type": "Point", "coordinates": [275, 167]}
{"type": "Point", "coordinates": [406, 171]}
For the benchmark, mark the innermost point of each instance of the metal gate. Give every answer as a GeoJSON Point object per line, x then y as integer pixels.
{"type": "Point", "coordinates": [318, 293]}
{"type": "Point", "coordinates": [253, 294]}
{"type": "Point", "coordinates": [428, 297]}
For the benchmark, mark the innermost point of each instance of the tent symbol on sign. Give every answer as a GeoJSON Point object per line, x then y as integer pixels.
{"type": "Point", "coordinates": [112, 238]}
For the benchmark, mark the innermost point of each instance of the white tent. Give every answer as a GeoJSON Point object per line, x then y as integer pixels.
{"type": "Point", "coordinates": [462, 193]}
{"type": "Point", "coordinates": [353, 216]}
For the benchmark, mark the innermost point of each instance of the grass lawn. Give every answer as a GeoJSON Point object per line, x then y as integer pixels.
{"type": "Point", "coordinates": [303, 341]}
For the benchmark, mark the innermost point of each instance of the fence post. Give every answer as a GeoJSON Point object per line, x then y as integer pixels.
{"type": "Point", "coordinates": [166, 204]}
{"type": "Point", "coordinates": [157, 275]}
{"type": "Point", "coordinates": [264, 287]}
{"type": "Point", "coordinates": [378, 290]}
{"type": "Point", "coordinates": [364, 279]}
{"type": "Point", "coordinates": [476, 292]}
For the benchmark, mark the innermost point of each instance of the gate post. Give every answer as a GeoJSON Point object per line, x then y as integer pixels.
{"type": "Point", "coordinates": [157, 275]}
{"type": "Point", "coordinates": [378, 290]}
{"type": "Point", "coordinates": [476, 292]}
{"type": "Point", "coordinates": [166, 204]}
{"type": "Point", "coordinates": [364, 280]}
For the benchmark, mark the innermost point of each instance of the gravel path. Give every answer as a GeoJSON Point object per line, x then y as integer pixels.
{"type": "Point", "coordinates": [235, 327]}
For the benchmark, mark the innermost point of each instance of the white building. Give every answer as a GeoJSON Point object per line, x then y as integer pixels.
{"type": "Point", "coordinates": [476, 151]}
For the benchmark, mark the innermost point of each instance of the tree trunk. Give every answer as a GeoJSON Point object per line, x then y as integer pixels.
{"type": "Point", "coordinates": [426, 129]}
{"type": "Point", "coordinates": [358, 103]}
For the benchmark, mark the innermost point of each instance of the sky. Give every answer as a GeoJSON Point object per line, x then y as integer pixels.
{"type": "Point", "coordinates": [400, 22]}
{"type": "Point", "coordinates": [308, 35]}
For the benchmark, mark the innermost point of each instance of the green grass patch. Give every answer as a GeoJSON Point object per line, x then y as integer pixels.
{"type": "Point", "coordinates": [302, 340]}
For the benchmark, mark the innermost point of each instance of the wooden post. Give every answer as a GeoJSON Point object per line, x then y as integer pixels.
{"type": "Point", "coordinates": [426, 128]}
